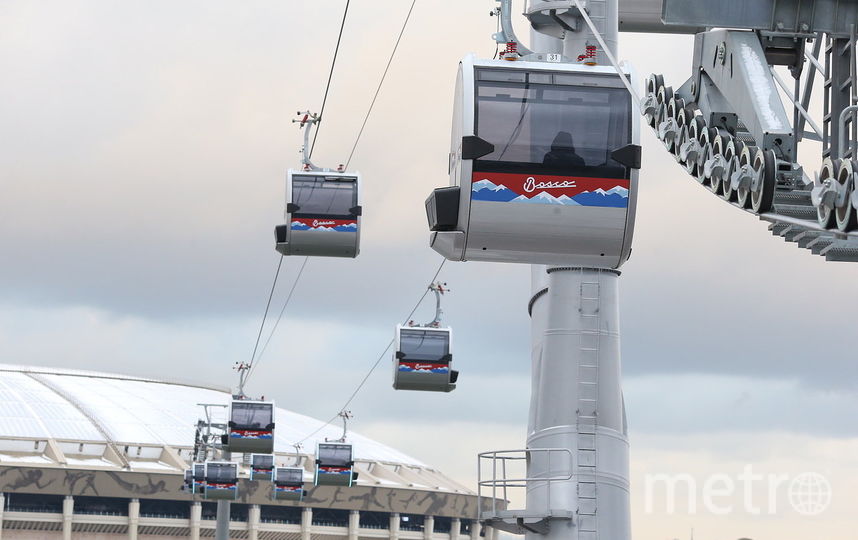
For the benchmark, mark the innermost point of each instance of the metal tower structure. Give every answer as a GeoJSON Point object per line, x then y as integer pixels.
{"type": "Point", "coordinates": [577, 450]}
{"type": "Point", "coordinates": [576, 398]}
{"type": "Point", "coordinates": [728, 127]}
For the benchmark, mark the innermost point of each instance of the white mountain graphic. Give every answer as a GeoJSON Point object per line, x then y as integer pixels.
{"type": "Point", "coordinates": [487, 184]}
{"type": "Point", "coordinates": [568, 200]}
{"type": "Point", "coordinates": [618, 190]}
{"type": "Point", "coordinates": [546, 198]}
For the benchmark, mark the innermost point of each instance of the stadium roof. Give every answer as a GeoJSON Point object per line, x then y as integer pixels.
{"type": "Point", "coordinates": [90, 407]}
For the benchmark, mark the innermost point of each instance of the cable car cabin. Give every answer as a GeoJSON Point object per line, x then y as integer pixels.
{"type": "Point", "coordinates": [322, 215]}
{"type": "Point", "coordinates": [334, 465]}
{"type": "Point", "coordinates": [262, 467]}
{"type": "Point", "coordinates": [543, 166]}
{"type": "Point", "coordinates": [188, 480]}
{"type": "Point", "coordinates": [198, 482]}
{"type": "Point", "coordinates": [251, 427]}
{"type": "Point", "coordinates": [221, 480]}
{"type": "Point", "coordinates": [288, 483]}
{"type": "Point", "coordinates": [423, 360]}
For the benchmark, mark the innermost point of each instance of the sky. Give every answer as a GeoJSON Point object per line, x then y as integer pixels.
{"type": "Point", "coordinates": [143, 150]}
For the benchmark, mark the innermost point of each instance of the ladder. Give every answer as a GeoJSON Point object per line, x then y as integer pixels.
{"type": "Point", "coordinates": [839, 92]}
{"type": "Point", "coordinates": [588, 394]}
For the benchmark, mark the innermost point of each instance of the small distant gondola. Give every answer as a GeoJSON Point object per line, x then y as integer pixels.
{"type": "Point", "coordinates": [198, 482]}
{"type": "Point", "coordinates": [423, 359]}
{"type": "Point", "coordinates": [323, 210]}
{"type": "Point", "coordinates": [221, 480]}
{"type": "Point", "coordinates": [334, 464]}
{"type": "Point", "coordinates": [262, 467]}
{"type": "Point", "coordinates": [288, 483]}
{"type": "Point", "coordinates": [251, 426]}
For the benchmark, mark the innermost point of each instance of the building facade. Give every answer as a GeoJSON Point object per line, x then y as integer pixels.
{"type": "Point", "coordinates": [87, 455]}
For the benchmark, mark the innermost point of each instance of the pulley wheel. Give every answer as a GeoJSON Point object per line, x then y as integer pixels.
{"type": "Point", "coordinates": [696, 129]}
{"type": "Point", "coordinates": [680, 140]}
{"type": "Point", "coordinates": [664, 94]}
{"type": "Point", "coordinates": [657, 85]}
{"type": "Point", "coordinates": [653, 83]}
{"type": "Point", "coordinates": [719, 147]}
{"type": "Point", "coordinates": [673, 107]}
{"type": "Point", "coordinates": [747, 157]}
{"type": "Point", "coordinates": [707, 135]}
{"type": "Point", "coordinates": [824, 214]}
{"type": "Point", "coordinates": [845, 215]}
{"type": "Point", "coordinates": [763, 199]}
{"type": "Point", "coordinates": [731, 154]}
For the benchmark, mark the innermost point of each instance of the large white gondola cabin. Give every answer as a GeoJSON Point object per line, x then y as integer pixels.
{"type": "Point", "coordinates": [543, 166]}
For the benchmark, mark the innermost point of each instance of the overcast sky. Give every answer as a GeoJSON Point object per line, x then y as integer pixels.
{"type": "Point", "coordinates": [143, 149]}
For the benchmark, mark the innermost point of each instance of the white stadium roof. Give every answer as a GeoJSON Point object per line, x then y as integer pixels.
{"type": "Point", "coordinates": [90, 407]}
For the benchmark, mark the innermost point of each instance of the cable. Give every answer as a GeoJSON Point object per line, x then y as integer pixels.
{"type": "Point", "coordinates": [383, 75]}
{"type": "Point", "coordinates": [264, 315]}
{"type": "Point", "coordinates": [330, 77]}
{"type": "Point", "coordinates": [378, 361]}
{"type": "Point", "coordinates": [280, 316]}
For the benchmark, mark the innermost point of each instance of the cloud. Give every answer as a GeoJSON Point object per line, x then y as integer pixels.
{"type": "Point", "coordinates": [142, 168]}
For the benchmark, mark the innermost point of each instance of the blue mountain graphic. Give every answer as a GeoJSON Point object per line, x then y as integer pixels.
{"type": "Point", "coordinates": [598, 199]}
{"type": "Point", "coordinates": [500, 195]}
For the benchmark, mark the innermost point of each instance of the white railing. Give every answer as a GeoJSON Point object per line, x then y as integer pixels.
{"type": "Point", "coordinates": [499, 484]}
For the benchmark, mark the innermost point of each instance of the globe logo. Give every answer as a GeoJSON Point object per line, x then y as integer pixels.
{"type": "Point", "coordinates": [810, 494]}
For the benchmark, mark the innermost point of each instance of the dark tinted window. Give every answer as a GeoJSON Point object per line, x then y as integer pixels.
{"type": "Point", "coordinates": [289, 475]}
{"type": "Point", "coordinates": [335, 455]}
{"type": "Point", "coordinates": [323, 196]}
{"type": "Point", "coordinates": [27, 502]}
{"type": "Point", "coordinates": [238, 511]}
{"type": "Point", "coordinates": [280, 514]}
{"type": "Point", "coordinates": [411, 522]}
{"type": "Point", "coordinates": [222, 473]}
{"type": "Point", "coordinates": [163, 508]}
{"type": "Point", "coordinates": [552, 127]}
{"type": "Point", "coordinates": [374, 520]}
{"type": "Point", "coordinates": [424, 345]}
{"type": "Point", "coordinates": [101, 505]}
{"type": "Point", "coordinates": [263, 461]}
{"type": "Point", "coordinates": [252, 415]}
{"type": "Point", "coordinates": [330, 517]}
{"type": "Point", "coordinates": [443, 524]}
{"type": "Point", "coordinates": [209, 510]}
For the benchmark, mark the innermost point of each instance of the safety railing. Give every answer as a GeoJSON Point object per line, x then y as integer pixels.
{"type": "Point", "coordinates": [499, 484]}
